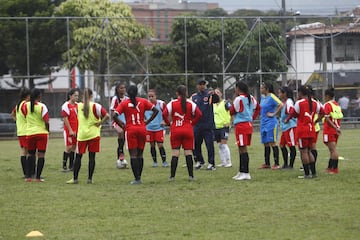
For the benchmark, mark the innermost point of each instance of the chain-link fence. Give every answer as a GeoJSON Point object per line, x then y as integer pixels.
{"type": "Point", "coordinates": [162, 52]}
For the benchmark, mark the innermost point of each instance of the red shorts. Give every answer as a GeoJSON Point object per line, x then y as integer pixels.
{"type": "Point", "coordinates": [243, 133]}
{"type": "Point", "coordinates": [37, 142]}
{"type": "Point", "coordinates": [93, 145]}
{"type": "Point", "coordinates": [243, 140]}
{"type": "Point", "coordinates": [155, 136]}
{"type": "Point", "coordinates": [288, 138]}
{"type": "Point", "coordinates": [306, 142]}
{"type": "Point", "coordinates": [135, 137]}
{"type": "Point", "coordinates": [182, 138]}
{"type": "Point", "coordinates": [69, 140]}
{"type": "Point", "coordinates": [330, 138]}
{"type": "Point", "coordinates": [23, 141]}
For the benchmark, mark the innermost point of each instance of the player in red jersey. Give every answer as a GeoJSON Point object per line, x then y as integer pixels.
{"type": "Point", "coordinates": [119, 96]}
{"type": "Point", "coordinates": [20, 120]}
{"type": "Point", "coordinates": [37, 129]}
{"type": "Point", "coordinates": [184, 115]}
{"type": "Point", "coordinates": [305, 109]}
{"type": "Point", "coordinates": [331, 131]}
{"type": "Point", "coordinates": [135, 130]}
{"type": "Point", "coordinates": [69, 112]}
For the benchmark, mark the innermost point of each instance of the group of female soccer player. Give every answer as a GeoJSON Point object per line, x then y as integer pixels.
{"type": "Point", "coordinates": [82, 125]}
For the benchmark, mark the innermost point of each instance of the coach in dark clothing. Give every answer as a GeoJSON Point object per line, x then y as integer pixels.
{"type": "Point", "coordinates": [203, 130]}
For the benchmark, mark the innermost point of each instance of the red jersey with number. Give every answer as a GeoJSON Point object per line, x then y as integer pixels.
{"type": "Point", "coordinates": [181, 120]}
{"type": "Point", "coordinates": [134, 115]}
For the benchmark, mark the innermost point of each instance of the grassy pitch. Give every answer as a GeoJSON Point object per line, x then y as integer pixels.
{"type": "Point", "coordinates": [273, 205]}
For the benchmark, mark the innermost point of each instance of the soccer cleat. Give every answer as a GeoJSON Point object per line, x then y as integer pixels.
{"type": "Point", "coordinates": [199, 165]}
{"type": "Point", "coordinates": [237, 175]}
{"type": "Point", "coordinates": [135, 182]}
{"type": "Point", "coordinates": [304, 177]}
{"type": "Point", "coordinates": [154, 164]}
{"type": "Point", "coordinates": [72, 181]}
{"type": "Point", "coordinates": [28, 179]}
{"type": "Point", "coordinates": [191, 179]}
{"type": "Point", "coordinates": [89, 181]}
{"type": "Point", "coordinates": [275, 167]}
{"type": "Point", "coordinates": [165, 164]}
{"type": "Point", "coordinates": [211, 167]}
{"type": "Point", "coordinates": [64, 169]}
{"type": "Point", "coordinates": [121, 157]}
{"type": "Point", "coordinates": [264, 166]}
{"type": "Point", "coordinates": [39, 180]}
{"type": "Point", "coordinates": [228, 165]}
{"type": "Point", "coordinates": [243, 176]}
{"type": "Point", "coordinates": [221, 165]}
{"type": "Point", "coordinates": [171, 179]}
{"type": "Point", "coordinates": [333, 171]}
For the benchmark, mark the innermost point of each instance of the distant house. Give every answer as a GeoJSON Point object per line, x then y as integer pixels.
{"type": "Point", "coordinates": [160, 14]}
{"type": "Point", "coordinates": [305, 44]}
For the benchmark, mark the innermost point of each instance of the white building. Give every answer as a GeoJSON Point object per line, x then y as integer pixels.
{"type": "Point", "coordinates": [305, 44]}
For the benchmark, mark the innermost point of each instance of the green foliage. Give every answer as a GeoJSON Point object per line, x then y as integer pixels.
{"type": "Point", "coordinates": [163, 60]}
{"type": "Point", "coordinates": [205, 47]}
{"type": "Point", "coordinates": [42, 35]}
{"type": "Point", "coordinates": [217, 12]}
{"type": "Point", "coordinates": [273, 205]}
{"type": "Point", "coordinates": [119, 30]}
{"type": "Point", "coordinates": [109, 29]}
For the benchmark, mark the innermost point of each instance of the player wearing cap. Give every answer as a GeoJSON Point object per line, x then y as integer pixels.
{"type": "Point", "coordinates": [204, 129]}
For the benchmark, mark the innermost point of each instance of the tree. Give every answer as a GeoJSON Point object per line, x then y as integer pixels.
{"type": "Point", "coordinates": [107, 29]}
{"type": "Point", "coordinates": [164, 60]}
{"type": "Point", "coordinates": [42, 36]}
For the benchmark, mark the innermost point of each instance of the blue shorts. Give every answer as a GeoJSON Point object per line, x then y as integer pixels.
{"type": "Point", "coordinates": [270, 135]}
{"type": "Point", "coordinates": [221, 133]}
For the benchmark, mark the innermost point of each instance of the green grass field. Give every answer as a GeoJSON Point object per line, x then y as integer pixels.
{"type": "Point", "coordinates": [273, 205]}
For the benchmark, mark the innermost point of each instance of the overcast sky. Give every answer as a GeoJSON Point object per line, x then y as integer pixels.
{"type": "Point", "coordinates": [317, 7]}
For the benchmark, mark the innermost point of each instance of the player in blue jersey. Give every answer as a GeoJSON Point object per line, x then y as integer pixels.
{"type": "Point", "coordinates": [204, 129]}
{"type": "Point", "coordinates": [288, 130]}
{"type": "Point", "coordinates": [244, 110]}
{"type": "Point", "coordinates": [155, 131]}
{"type": "Point", "coordinates": [270, 107]}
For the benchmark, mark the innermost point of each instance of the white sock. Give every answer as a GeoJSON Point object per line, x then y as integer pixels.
{"type": "Point", "coordinates": [221, 153]}
{"type": "Point", "coordinates": [226, 152]}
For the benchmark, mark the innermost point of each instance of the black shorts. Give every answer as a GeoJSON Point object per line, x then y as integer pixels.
{"type": "Point", "coordinates": [221, 134]}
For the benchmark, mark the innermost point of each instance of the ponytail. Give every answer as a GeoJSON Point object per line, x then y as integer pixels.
{"type": "Point", "coordinates": [35, 95]}
{"type": "Point", "coordinates": [181, 90]}
{"type": "Point", "coordinates": [24, 93]}
{"type": "Point", "coordinates": [132, 92]}
{"type": "Point", "coordinates": [87, 94]}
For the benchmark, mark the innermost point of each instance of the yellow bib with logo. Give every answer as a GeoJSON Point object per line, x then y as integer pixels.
{"type": "Point", "coordinates": [336, 111]}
